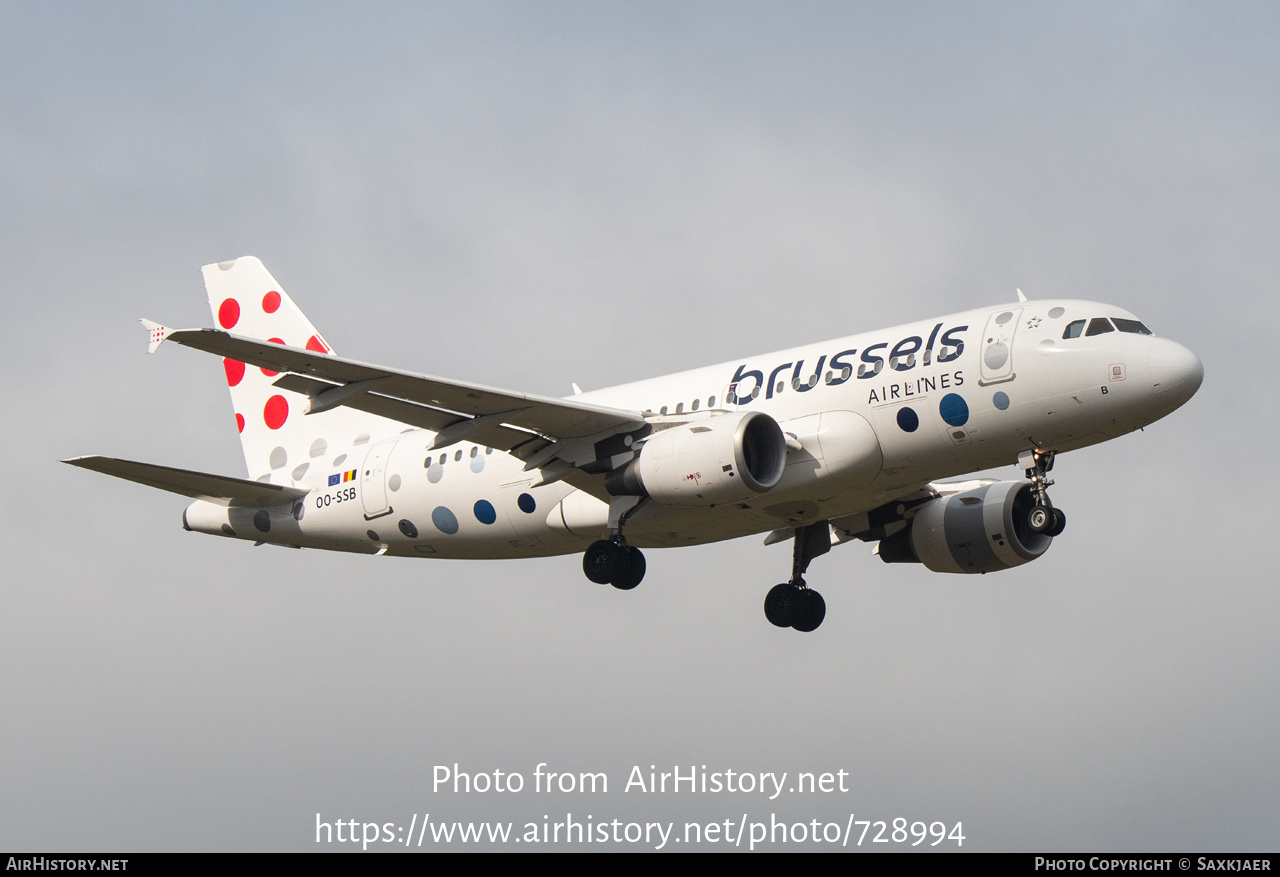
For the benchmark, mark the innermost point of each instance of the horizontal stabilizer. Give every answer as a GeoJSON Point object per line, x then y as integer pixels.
{"type": "Point", "coordinates": [197, 485]}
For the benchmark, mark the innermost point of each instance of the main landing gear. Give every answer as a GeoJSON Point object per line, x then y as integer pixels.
{"type": "Point", "coordinates": [612, 561]}
{"type": "Point", "coordinates": [1042, 517]}
{"type": "Point", "coordinates": [793, 604]}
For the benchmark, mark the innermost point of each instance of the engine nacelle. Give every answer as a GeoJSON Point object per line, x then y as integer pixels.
{"type": "Point", "coordinates": [980, 530]}
{"type": "Point", "coordinates": [726, 458]}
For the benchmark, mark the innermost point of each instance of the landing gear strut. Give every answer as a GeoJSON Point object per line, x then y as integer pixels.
{"type": "Point", "coordinates": [612, 561]}
{"type": "Point", "coordinates": [1043, 517]}
{"type": "Point", "coordinates": [793, 604]}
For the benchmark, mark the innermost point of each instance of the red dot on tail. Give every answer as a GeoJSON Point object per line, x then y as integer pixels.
{"type": "Point", "coordinates": [266, 371]}
{"type": "Point", "coordinates": [235, 371]}
{"type": "Point", "coordinates": [275, 412]}
{"type": "Point", "coordinates": [314, 343]}
{"type": "Point", "coordinates": [271, 301]}
{"type": "Point", "coordinates": [240, 422]}
{"type": "Point", "coordinates": [228, 313]}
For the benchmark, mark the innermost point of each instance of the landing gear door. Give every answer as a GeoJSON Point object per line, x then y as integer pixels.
{"type": "Point", "coordinates": [997, 347]}
{"type": "Point", "coordinates": [373, 480]}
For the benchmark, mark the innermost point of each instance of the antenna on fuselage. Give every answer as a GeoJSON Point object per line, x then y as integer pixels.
{"type": "Point", "coordinates": [1021, 297]}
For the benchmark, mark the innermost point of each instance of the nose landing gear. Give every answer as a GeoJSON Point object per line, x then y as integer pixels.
{"type": "Point", "coordinates": [1043, 517]}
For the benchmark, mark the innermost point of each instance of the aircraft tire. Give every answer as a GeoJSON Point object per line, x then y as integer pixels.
{"type": "Point", "coordinates": [783, 605]}
{"type": "Point", "coordinates": [814, 611]}
{"type": "Point", "coordinates": [1039, 519]}
{"type": "Point", "coordinates": [632, 571]}
{"type": "Point", "coordinates": [603, 561]}
{"type": "Point", "coordinates": [1059, 523]}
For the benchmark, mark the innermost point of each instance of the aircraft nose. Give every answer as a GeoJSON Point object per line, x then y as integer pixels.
{"type": "Point", "coordinates": [1176, 372]}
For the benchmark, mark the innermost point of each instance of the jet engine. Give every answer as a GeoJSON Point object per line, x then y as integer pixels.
{"type": "Point", "coordinates": [726, 458]}
{"type": "Point", "coordinates": [981, 530]}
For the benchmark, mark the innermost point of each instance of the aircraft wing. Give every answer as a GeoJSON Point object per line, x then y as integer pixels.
{"type": "Point", "coordinates": [197, 485]}
{"type": "Point", "coordinates": [458, 410]}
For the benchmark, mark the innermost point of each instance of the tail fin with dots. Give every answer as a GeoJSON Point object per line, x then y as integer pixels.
{"type": "Point", "coordinates": [279, 443]}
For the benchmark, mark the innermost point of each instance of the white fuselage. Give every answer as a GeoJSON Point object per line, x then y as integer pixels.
{"type": "Point", "coordinates": [869, 418]}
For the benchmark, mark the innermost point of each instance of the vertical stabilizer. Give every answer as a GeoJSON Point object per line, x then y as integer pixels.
{"type": "Point", "coordinates": [280, 444]}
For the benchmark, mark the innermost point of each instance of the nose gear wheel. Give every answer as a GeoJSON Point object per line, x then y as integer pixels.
{"type": "Point", "coordinates": [1043, 517]}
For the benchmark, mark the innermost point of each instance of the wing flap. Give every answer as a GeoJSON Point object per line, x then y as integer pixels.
{"type": "Point", "coordinates": [220, 489]}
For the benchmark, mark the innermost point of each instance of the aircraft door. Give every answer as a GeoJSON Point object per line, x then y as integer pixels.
{"type": "Point", "coordinates": [997, 347]}
{"type": "Point", "coordinates": [373, 480]}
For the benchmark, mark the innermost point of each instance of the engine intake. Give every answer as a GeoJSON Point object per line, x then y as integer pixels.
{"type": "Point", "coordinates": [726, 458]}
{"type": "Point", "coordinates": [980, 530]}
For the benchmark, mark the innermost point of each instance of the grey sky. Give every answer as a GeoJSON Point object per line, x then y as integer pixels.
{"type": "Point", "coordinates": [536, 193]}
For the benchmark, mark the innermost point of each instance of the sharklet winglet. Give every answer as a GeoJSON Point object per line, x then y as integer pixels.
{"type": "Point", "coordinates": [158, 334]}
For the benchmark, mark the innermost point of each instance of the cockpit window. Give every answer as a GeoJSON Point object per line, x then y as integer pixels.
{"type": "Point", "coordinates": [1099, 326]}
{"type": "Point", "coordinates": [1074, 328]}
{"type": "Point", "coordinates": [1132, 326]}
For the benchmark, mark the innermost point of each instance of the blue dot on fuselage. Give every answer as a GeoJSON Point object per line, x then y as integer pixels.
{"type": "Point", "coordinates": [908, 420]}
{"type": "Point", "coordinates": [484, 512]}
{"type": "Point", "coordinates": [1000, 400]}
{"type": "Point", "coordinates": [444, 520]}
{"type": "Point", "coordinates": [526, 503]}
{"type": "Point", "coordinates": [954, 410]}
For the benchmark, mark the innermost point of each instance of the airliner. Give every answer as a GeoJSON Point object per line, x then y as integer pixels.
{"type": "Point", "coordinates": [849, 439]}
